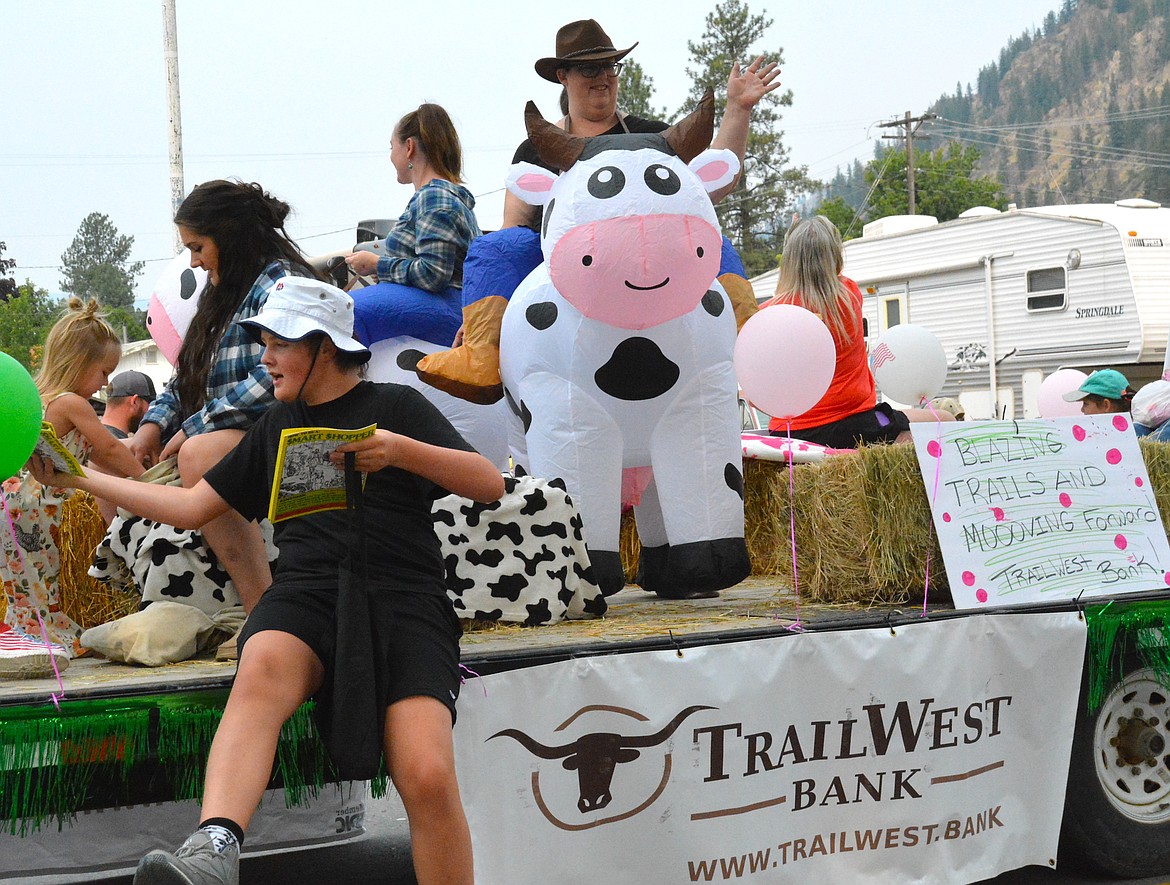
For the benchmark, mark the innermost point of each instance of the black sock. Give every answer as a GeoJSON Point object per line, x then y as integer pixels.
{"type": "Point", "coordinates": [230, 825]}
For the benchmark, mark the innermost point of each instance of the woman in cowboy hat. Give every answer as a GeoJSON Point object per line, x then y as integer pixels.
{"type": "Point", "coordinates": [586, 63]}
{"type": "Point", "coordinates": [287, 645]}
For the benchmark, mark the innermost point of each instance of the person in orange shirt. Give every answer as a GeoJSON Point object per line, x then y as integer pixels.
{"type": "Point", "coordinates": [848, 414]}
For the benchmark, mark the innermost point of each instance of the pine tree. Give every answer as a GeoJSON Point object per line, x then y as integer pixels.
{"type": "Point", "coordinates": [95, 264]}
{"type": "Point", "coordinates": [751, 215]}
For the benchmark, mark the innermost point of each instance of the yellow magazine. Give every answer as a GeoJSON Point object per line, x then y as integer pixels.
{"type": "Point", "coordinates": [306, 481]}
{"type": "Point", "coordinates": [50, 447]}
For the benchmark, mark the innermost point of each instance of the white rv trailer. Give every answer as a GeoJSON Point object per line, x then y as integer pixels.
{"type": "Point", "coordinates": [1015, 295]}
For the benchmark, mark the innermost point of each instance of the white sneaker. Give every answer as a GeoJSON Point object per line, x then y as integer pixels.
{"type": "Point", "coordinates": [23, 657]}
{"type": "Point", "coordinates": [195, 863]}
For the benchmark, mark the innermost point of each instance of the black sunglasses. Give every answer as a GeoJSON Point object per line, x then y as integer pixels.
{"type": "Point", "coordinates": [590, 70]}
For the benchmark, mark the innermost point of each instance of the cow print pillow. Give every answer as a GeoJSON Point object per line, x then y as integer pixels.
{"type": "Point", "coordinates": [521, 559]}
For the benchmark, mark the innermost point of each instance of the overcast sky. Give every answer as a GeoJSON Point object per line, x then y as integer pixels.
{"type": "Point", "coordinates": [301, 96]}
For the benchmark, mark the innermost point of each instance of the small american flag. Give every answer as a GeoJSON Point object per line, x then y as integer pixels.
{"type": "Point", "coordinates": [880, 356]}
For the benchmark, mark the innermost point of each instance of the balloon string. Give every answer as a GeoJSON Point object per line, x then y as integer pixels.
{"type": "Point", "coordinates": [792, 526]}
{"type": "Point", "coordinates": [54, 697]}
{"type": "Point", "coordinates": [933, 499]}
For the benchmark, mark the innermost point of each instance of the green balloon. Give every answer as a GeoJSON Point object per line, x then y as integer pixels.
{"type": "Point", "coordinates": [20, 416]}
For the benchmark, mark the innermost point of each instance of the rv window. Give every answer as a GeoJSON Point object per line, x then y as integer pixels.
{"type": "Point", "coordinates": [893, 313]}
{"type": "Point", "coordinates": [1046, 289]}
{"type": "Point", "coordinates": [865, 327]}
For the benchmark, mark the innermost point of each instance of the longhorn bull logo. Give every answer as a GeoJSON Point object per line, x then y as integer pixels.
{"type": "Point", "coordinates": [594, 756]}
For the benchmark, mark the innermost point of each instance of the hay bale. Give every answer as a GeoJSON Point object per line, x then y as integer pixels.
{"type": "Point", "coordinates": [87, 601]}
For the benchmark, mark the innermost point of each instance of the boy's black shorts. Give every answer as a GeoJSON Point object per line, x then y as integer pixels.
{"type": "Point", "coordinates": [418, 632]}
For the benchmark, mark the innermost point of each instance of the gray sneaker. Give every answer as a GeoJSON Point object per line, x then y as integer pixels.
{"type": "Point", "coordinates": [195, 863]}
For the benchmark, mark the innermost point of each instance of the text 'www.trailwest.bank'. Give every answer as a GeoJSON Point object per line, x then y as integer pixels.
{"type": "Point", "coordinates": [720, 869]}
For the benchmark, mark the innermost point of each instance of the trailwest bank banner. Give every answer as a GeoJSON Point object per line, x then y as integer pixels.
{"type": "Point", "coordinates": [934, 752]}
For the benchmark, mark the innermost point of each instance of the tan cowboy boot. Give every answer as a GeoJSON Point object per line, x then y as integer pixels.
{"type": "Point", "coordinates": [471, 371]}
{"type": "Point", "coordinates": [742, 295]}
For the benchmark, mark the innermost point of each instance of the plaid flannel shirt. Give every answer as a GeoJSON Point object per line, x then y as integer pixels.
{"type": "Point", "coordinates": [239, 389]}
{"type": "Point", "coordinates": [427, 247]}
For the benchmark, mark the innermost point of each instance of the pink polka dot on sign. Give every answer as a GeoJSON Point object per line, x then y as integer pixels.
{"type": "Point", "coordinates": [946, 517]}
{"type": "Point", "coordinates": [969, 579]}
{"type": "Point", "coordinates": [1078, 433]}
{"type": "Point", "coordinates": [933, 449]}
{"type": "Point", "coordinates": [1120, 423]}
{"type": "Point", "coordinates": [1138, 482]}
{"type": "Point", "coordinates": [1120, 543]}
{"type": "Point", "coordinates": [981, 595]}
{"type": "Point", "coordinates": [1065, 500]}
{"type": "Point", "coordinates": [1166, 578]}
{"type": "Point", "coordinates": [1113, 456]}
{"type": "Point", "coordinates": [997, 512]}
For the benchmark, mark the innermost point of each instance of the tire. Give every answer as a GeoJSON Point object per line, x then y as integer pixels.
{"type": "Point", "coordinates": [1117, 807]}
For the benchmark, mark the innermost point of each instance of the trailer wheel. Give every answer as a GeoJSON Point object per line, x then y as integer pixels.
{"type": "Point", "coordinates": [1117, 808]}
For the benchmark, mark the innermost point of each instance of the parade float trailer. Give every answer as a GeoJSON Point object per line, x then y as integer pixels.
{"type": "Point", "coordinates": [852, 712]}
{"type": "Point", "coordinates": [1014, 295]}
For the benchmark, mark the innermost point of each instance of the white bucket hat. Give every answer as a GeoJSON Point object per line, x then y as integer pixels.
{"type": "Point", "coordinates": [298, 306]}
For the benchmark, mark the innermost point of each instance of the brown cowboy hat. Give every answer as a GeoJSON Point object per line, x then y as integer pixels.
{"type": "Point", "coordinates": [582, 41]}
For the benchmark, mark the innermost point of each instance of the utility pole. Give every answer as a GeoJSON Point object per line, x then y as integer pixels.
{"type": "Point", "coordinates": [174, 120]}
{"type": "Point", "coordinates": [907, 122]}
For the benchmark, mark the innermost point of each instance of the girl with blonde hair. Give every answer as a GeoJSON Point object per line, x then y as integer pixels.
{"type": "Point", "coordinates": [81, 351]}
{"type": "Point", "coordinates": [848, 414]}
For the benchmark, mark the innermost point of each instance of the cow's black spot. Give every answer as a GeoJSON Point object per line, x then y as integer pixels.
{"type": "Point", "coordinates": [161, 549]}
{"type": "Point", "coordinates": [534, 502]}
{"type": "Point", "coordinates": [444, 516]}
{"type": "Point", "coordinates": [510, 484]}
{"type": "Point", "coordinates": [455, 584]}
{"type": "Point", "coordinates": [547, 216]}
{"type": "Point", "coordinates": [511, 402]}
{"type": "Point", "coordinates": [554, 528]}
{"type": "Point", "coordinates": [494, 615]}
{"type": "Point", "coordinates": [595, 606]}
{"type": "Point", "coordinates": [458, 539]}
{"type": "Point", "coordinates": [187, 284]}
{"type": "Point", "coordinates": [713, 303]}
{"type": "Point", "coordinates": [541, 315]}
{"type": "Point", "coordinates": [531, 564]}
{"type": "Point", "coordinates": [508, 587]}
{"type": "Point", "coordinates": [525, 419]}
{"type": "Point", "coordinates": [489, 557]}
{"type": "Point", "coordinates": [510, 530]}
{"type": "Point", "coordinates": [734, 479]}
{"type": "Point", "coordinates": [519, 469]}
{"type": "Point", "coordinates": [538, 613]}
{"type": "Point", "coordinates": [475, 510]}
{"type": "Point", "coordinates": [180, 585]}
{"type": "Point", "coordinates": [637, 370]}
{"type": "Point", "coordinates": [407, 360]}
{"type": "Point", "coordinates": [217, 575]}
{"type": "Point", "coordinates": [662, 180]}
{"type": "Point", "coordinates": [575, 522]}
{"type": "Point", "coordinates": [557, 483]}
{"type": "Point", "coordinates": [606, 182]}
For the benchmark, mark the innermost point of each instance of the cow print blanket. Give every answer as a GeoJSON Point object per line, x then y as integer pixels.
{"type": "Point", "coordinates": [521, 559]}
{"type": "Point", "coordinates": [162, 562]}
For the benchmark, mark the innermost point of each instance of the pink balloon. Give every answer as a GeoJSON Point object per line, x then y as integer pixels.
{"type": "Point", "coordinates": [1050, 397]}
{"type": "Point", "coordinates": [785, 359]}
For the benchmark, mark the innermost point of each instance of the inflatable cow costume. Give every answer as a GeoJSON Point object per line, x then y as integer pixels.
{"type": "Point", "coordinates": [616, 352]}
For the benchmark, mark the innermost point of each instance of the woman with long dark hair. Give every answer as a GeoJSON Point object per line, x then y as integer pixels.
{"type": "Point", "coordinates": [235, 232]}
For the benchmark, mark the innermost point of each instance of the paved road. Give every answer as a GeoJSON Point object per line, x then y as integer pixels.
{"type": "Point", "coordinates": [383, 858]}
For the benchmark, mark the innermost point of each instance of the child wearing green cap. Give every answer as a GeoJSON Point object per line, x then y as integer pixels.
{"type": "Point", "coordinates": [1103, 392]}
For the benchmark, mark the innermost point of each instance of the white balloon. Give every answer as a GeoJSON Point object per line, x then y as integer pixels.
{"type": "Point", "coordinates": [909, 364]}
{"type": "Point", "coordinates": [1050, 397]}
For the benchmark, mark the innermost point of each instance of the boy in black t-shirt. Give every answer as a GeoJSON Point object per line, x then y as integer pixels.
{"type": "Point", "coordinates": [287, 644]}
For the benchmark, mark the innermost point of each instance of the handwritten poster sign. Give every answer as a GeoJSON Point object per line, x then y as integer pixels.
{"type": "Point", "coordinates": [1032, 510]}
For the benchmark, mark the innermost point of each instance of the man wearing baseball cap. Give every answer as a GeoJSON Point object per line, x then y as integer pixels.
{"type": "Point", "coordinates": [1103, 392]}
{"type": "Point", "coordinates": [131, 394]}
